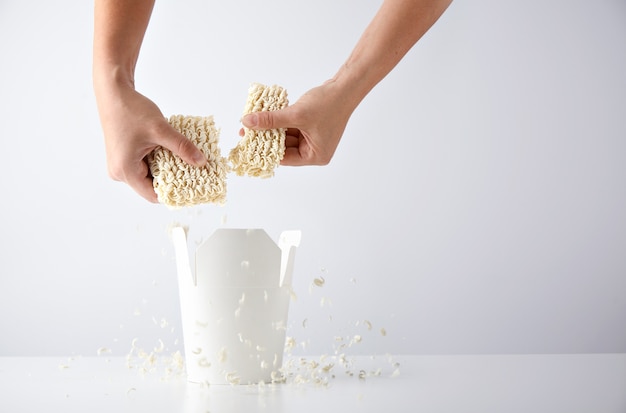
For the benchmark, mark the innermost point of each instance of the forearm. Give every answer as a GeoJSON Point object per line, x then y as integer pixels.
{"type": "Point", "coordinates": [396, 27]}
{"type": "Point", "coordinates": [119, 28]}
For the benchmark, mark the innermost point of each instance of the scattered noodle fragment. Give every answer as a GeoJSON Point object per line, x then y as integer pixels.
{"type": "Point", "coordinates": [103, 350]}
{"type": "Point", "coordinates": [327, 368]}
{"type": "Point", "coordinates": [233, 378]}
{"type": "Point", "coordinates": [355, 340]}
{"type": "Point", "coordinates": [178, 361]}
{"type": "Point", "coordinates": [222, 355]}
{"type": "Point", "coordinates": [317, 282]}
{"type": "Point", "coordinates": [279, 325]}
{"type": "Point", "coordinates": [202, 324]}
{"type": "Point", "coordinates": [260, 152]}
{"type": "Point", "coordinates": [290, 344]}
{"type": "Point", "coordinates": [179, 184]}
{"type": "Point", "coordinates": [277, 377]}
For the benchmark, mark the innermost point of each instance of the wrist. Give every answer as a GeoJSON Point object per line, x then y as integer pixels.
{"type": "Point", "coordinates": [352, 84]}
{"type": "Point", "coordinates": [111, 83]}
{"type": "Point", "coordinates": [112, 77]}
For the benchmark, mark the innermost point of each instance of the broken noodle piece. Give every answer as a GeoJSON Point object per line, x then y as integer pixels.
{"type": "Point", "coordinates": [260, 151]}
{"type": "Point", "coordinates": [179, 184]}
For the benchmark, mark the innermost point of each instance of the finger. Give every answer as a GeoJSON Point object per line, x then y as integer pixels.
{"type": "Point", "coordinates": [292, 157]}
{"type": "Point", "coordinates": [146, 190]}
{"type": "Point", "coordinates": [183, 147]}
{"type": "Point", "coordinates": [269, 119]}
{"type": "Point", "coordinates": [292, 141]}
{"type": "Point", "coordinates": [141, 182]}
{"type": "Point", "coordinates": [293, 132]}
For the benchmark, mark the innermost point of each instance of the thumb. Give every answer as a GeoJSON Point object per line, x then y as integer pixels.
{"type": "Point", "coordinates": [268, 119]}
{"type": "Point", "coordinates": [183, 147]}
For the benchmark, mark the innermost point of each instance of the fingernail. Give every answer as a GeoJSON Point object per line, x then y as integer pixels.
{"type": "Point", "coordinates": [199, 159]}
{"type": "Point", "coordinates": [252, 119]}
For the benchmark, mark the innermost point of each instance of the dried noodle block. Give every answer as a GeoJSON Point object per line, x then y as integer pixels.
{"type": "Point", "coordinates": [260, 152]}
{"type": "Point", "coordinates": [180, 184]}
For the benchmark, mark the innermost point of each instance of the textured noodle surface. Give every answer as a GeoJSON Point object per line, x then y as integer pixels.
{"type": "Point", "coordinates": [259, 152]}
{"type": "Point", "coordinates": [180, 184]}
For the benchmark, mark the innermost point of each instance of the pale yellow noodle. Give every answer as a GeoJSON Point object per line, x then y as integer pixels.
{"type": "Point", "coordinates": [258, 153]}
{"type": "Point", "coordinates": [179, 184]}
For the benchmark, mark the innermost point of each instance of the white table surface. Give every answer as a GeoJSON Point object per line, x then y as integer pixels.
{"type": "Point", "coordinates": [589, 383]}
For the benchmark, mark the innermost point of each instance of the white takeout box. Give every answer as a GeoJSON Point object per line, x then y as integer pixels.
{"type": "Point", "coordinates": [234, 305]}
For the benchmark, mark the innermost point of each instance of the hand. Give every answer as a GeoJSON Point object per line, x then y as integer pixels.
{"type": "Point", "coordinates": [315, 125]}
{"type": "Point", "coordinates": [134, 126]}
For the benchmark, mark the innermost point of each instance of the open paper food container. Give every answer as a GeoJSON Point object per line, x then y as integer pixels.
{"type": "Point", "coordinates": [234, 304]}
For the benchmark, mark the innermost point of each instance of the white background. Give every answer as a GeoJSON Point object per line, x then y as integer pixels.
{"type": "Point", "coordinates": [476, 204]}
